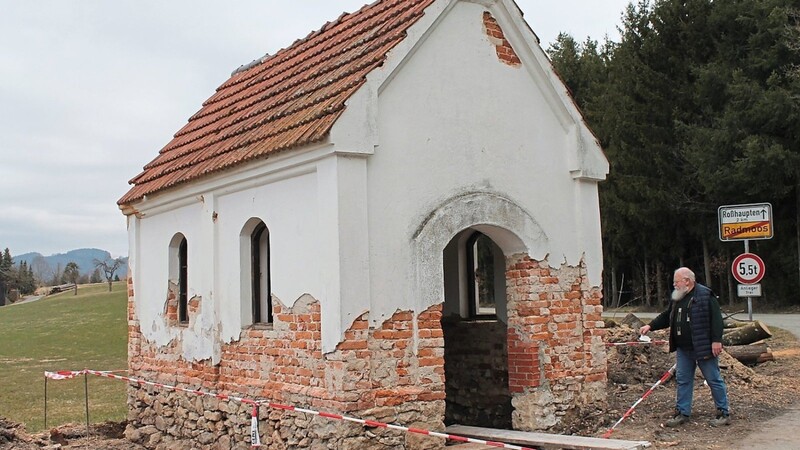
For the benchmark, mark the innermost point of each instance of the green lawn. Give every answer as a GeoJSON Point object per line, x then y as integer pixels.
{"type": "Point", "coordinates": [64, 332]}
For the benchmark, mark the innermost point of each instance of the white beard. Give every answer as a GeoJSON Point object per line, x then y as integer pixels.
{"type": "Point", "coordinates": [678, 294]}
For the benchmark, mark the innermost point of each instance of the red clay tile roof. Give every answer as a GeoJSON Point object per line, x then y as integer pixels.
{"type": "Point", "coordinates": [288, 100]}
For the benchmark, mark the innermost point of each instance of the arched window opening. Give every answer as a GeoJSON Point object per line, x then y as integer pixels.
{"type": "Point", "coordinates": [177, 306]}
{"type": "Point", "coordinates": [260, 274]}
{"type": "Point", "coordinates": [483, 270]}
{"type": "Point", "coordinates": [183, 301]}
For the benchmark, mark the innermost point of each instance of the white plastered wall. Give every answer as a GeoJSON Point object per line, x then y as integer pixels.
{"type": "Point", "coordinates": [449, 120]}
{"type": "Point", "coordinates": [285, 193]}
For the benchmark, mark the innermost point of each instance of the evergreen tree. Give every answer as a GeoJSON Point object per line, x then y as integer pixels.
{"type": "Point", "coordinates": [96, 276]}
{"type": "Point", "coordinates": [696, 107]}
{"type": "Point", "coordinates": [27, 285]}
{"type": "Point", "coordinates": [6, 262]}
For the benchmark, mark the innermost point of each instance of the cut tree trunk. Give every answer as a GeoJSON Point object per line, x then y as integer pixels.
{"type": "Point", "coordinates": [751, 354]}
{"type": "Point", "coordinates": [733, 323]}
{"type": "Point", "coordinates": [752, 332]}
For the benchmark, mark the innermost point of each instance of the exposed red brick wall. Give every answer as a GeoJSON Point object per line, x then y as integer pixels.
{"type": "Point", "coordinates": [171, 305]}
{"type": "Point", "coordinates": [555, 328]}
{"type": "Point", "coordinates": [523, 363]}
{"type": "Point", "coordinates": [503, 48]}
{"type": "Point", "coordinates": [284, 362]}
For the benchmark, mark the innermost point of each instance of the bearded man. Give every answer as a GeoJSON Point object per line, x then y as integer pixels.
{"type": "Point", "coordinates": [695, 324]}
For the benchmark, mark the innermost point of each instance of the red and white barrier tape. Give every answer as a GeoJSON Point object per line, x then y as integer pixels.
{"type": "Point", "coordinates": [618, 344]}
{"type": "Point", "coordinates": [663, 379]}
{"type": "Point", "coordinates": [372, 423]}
{"type": "Point", "coordinates": [254, 421]}
{"type": "Point", "coordinates": [63, 374]}
{"type": "Point", "coordinates": [168, 387]}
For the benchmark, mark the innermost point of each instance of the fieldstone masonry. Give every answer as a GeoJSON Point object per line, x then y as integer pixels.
{"type": "Point", "coordinates": [394, 374]}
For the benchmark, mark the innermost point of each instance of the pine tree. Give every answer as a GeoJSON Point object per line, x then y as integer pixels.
{"type": "Point", "coordinates": [696, 107]}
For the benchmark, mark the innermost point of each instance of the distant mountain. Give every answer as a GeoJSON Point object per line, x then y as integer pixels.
{"type": "Point", "coordinates": [83, 257]}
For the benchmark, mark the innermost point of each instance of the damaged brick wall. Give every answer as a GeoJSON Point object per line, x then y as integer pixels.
{"type": "Point", "coordinates": [505, 52]}
{"type": "Point", "coordinates": [394, 373]}
{"type": "Point", "coordinates": [557, 358]}
{"type": "Point", "coordinates": [375, 374]}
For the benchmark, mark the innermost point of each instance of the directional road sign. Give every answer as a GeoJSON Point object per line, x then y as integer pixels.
{"type": "Point", "coordinates": [740, 222]}
{"type": "Point", "coordinates": [748, 268]}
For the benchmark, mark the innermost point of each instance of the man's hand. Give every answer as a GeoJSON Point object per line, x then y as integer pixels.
{"type": "Point", "coordinates": [716, 348]}
{"type": "Point", "coordinates": [644, 330]}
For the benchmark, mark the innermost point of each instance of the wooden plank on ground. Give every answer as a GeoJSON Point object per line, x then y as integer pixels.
{"type": "Point", "coordinates": [544, 440]}
{"type": "Point", "coordinates": [470, 446]}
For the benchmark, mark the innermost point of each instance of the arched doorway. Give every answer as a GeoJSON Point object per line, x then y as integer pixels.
{"type": "Point", "coordinates": [475, 323]}
{"type": "Point", "coordinates": [440, 248]}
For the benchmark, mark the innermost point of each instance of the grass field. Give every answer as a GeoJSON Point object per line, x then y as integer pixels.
{"type": "Point", "coordinates": [64, 332]}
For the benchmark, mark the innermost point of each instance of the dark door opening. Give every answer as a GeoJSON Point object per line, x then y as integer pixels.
{"type": "Point", "coordinates": [475, 333]}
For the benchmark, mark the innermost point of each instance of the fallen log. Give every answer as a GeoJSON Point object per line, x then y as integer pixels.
{"type": "Point", "coordinates": [765, 357]}
{"type": "Point", "coordinates": [752, 332]}
{"type": "Point", "coordinates": [733, 323]}
{"type": "Point", "coordinates": [752, 354]}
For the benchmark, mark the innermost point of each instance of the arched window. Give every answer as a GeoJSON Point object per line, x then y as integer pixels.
{"type": "Point", "coordinates": [485, 275]}
{"type": "Point", "coordinates": [178, 276]}
{"type": "Point", "coordinates": [183, 301]}
{"type": "Point", "coordinates": [260, 275]}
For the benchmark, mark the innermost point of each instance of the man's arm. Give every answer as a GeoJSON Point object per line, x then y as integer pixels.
{"type": "Point", "coordinates": [659, 322]}
{"type": "Point", "coordinates": [716, 320]}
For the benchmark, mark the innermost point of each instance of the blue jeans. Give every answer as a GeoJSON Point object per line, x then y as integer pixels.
{"type": "Point", "coordinates": [685, 377]}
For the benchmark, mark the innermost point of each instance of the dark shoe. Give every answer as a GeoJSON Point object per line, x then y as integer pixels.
{"type": "Point", "coordinates": [679, 419]}
{"type": "Point", "coordinates": [721, 419]}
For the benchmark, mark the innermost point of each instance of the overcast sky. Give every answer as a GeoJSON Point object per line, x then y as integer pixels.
{"type": "Point", "coordinates": [91, 90]}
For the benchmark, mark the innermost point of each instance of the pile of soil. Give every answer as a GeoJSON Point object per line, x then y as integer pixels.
{"type": "Point", "coordinates": [106, 435]}
{"type": "Point", "coordinates": [12, 433]}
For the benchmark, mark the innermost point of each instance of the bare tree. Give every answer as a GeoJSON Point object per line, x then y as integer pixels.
{"type": "Point", "coordinates": [58, 275]}
{"type": "Point", "coordinates": [41, 270]}
{"type": "Point", "coordinates": [109, 267]}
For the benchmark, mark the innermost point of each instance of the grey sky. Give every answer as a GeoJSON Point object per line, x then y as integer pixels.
{"type": "Point", "coordinates": [91, 90]}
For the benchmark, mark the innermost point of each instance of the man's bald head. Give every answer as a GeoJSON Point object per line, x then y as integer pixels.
{"type": "Point", "coordinates": [683, 281]}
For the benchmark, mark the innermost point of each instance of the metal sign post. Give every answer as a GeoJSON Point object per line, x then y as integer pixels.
{"type": "Point", "coordinates": [745, 222]}
{"type": "Point", "coordinates": [749, 298]}
{"type": "Point", "coordinates": [748, 269]}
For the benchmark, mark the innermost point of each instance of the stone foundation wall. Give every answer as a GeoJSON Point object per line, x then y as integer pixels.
{"type": "Point", "coordinates": [177, 421]}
